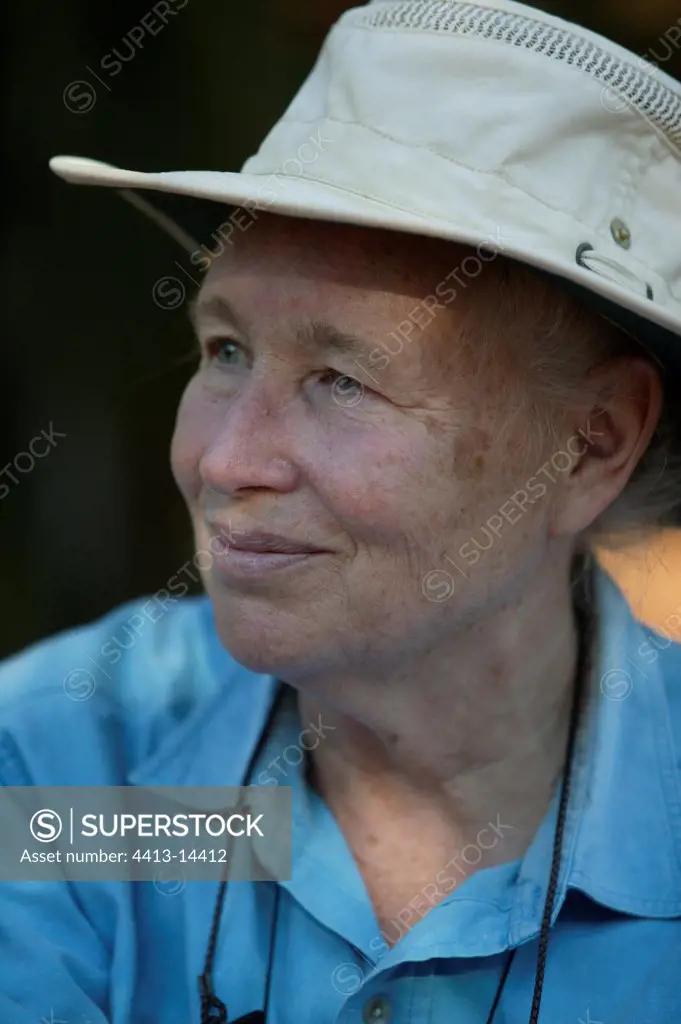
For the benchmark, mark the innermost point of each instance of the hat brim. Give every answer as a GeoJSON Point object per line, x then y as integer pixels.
{"type": "Point", "coordinates": [647, 321]}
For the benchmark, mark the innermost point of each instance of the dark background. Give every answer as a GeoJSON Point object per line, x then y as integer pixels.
{"type": "Point", "coordinates": [85, 348]}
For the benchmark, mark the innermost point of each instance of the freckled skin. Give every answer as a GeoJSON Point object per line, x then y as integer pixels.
{"type": "Point", "coordinates": [390, 485]}
{"type": "Point", "coordinates": [469, 453]}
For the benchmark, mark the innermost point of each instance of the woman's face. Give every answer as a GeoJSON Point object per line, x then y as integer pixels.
{"type": "Point", "coordinates": [394, 476]}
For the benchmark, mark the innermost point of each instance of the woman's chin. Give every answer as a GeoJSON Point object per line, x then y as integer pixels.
{"type": "Point", "coordinates": [259, 648]}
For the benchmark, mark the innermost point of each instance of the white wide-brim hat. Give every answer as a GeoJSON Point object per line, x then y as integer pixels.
{"type": "Point", "coordinates": [489, 123]}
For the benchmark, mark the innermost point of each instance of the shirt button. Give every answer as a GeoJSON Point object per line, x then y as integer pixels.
{"type": "Point", "coordinates": [376, 1011]}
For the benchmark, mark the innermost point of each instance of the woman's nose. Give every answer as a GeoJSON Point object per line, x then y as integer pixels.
{"type": "Point", "coordinates": [250, 448]}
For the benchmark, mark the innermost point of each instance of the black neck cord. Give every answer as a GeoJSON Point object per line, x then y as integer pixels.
{"type": "Point", "coordinates": [214, 1011]}
{"type": "Point", "coordinates": [583, 580]}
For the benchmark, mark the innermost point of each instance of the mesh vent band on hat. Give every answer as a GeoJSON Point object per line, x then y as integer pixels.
{"type": "Point", "coordinates": [660, 105]}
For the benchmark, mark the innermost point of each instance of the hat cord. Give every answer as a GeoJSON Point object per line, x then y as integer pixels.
{"type": "Point", "coordinates": [611, 270]}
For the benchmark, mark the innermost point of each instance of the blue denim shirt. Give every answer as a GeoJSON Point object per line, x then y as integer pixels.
{"type": "Point", "coordinates": [147, 696]}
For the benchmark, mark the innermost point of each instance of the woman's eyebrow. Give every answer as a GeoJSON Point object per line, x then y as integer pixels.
{"type": "Point", "coordinates": [214, 308]}
{"type": "Point", "coordinates": [322, 336]}
{"type": "Point", "coordinates": [317, 335]}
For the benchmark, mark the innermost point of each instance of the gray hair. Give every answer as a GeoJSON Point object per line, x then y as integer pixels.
{"type": "Point", "coordinates": [554, 340]}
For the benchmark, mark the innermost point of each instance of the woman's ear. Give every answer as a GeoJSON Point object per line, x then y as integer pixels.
{"type": "Point", "coordinates": [614, 436]}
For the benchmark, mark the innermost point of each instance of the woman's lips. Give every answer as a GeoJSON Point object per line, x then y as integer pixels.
{"type": "Point", "coordinates": [269, 542]}
{"type": "Point", "coordinates": [257, 554]}
{"type": "Point", "coordinates": [238, 564]}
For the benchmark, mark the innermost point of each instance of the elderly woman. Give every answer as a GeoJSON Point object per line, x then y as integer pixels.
{"type": "Point", "coordinates": [438, 334]}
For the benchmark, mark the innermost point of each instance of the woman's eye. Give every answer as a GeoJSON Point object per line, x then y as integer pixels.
{"type": "Point", "coordinates": [223, 351]}
{"type": "Point", "coordinates": [338, 380]}
{"type": "Point", "coordinates": [346, 391]}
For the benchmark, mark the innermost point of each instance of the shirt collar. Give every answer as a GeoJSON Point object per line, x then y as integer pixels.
{"type": "Point", "coordinates": [628, 840]}
{"type": "Point", "coordinates": [623, 827]}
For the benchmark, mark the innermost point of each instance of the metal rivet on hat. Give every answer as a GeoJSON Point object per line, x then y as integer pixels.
{"type": "Point", "coordinates": [621, 233]}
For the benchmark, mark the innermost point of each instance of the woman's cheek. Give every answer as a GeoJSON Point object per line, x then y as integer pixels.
{"type": "Point", "coordinates": [191, 438]}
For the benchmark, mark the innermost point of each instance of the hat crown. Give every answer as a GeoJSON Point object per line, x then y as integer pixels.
{"type": "Point", "coordinates": [627, 81]}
